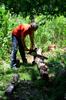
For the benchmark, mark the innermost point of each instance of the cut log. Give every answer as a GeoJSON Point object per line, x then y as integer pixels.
{"type": "Point", "coordinates": [39, 60]}
{"type": "Point", "coordinates": [51, 47]}
{"type": "Point", "coordinates": [10, 88]}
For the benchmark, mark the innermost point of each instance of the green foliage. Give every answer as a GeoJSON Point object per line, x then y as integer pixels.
{"type": "Point", "coordinates": [4, 16]}
{"type": "Point", "coordinates": [32, 7]}
{"type": "Point", "coordinates": [53, 31]}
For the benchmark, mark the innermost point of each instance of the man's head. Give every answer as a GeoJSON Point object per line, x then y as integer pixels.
{"type": "Point", "coordinates": [34, 26]}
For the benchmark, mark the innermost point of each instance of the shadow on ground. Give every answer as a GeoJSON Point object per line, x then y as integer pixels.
{"type": "Point", "coordinates": [40, 90]}
{"type": "Point", "coordinates": [27, 90]}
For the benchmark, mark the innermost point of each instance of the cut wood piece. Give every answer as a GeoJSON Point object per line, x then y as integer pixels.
{"type": "Point", "coordinates": [10, 88]}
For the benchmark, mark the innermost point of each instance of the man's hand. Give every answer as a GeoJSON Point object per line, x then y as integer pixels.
{"type": "Point", "coordinates": [32, 51]}
{"type": "Point", "coordinates": [33, 47]}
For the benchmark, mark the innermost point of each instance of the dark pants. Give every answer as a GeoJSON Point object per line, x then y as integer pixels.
{"type": "Point", "coordinates": [17, 44]}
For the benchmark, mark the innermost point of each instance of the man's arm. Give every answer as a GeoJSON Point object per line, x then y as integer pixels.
{"type": "Point", "coordinates": [23, 43]}
{"type": "Point", "coordinates": [32, 41]}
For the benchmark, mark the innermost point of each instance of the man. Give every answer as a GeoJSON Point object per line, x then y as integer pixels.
{"type": "Point", "coordinates": [18, 40]}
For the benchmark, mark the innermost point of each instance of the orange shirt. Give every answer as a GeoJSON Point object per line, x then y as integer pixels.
{"type": "Point", "coordinates": [22, 30]}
